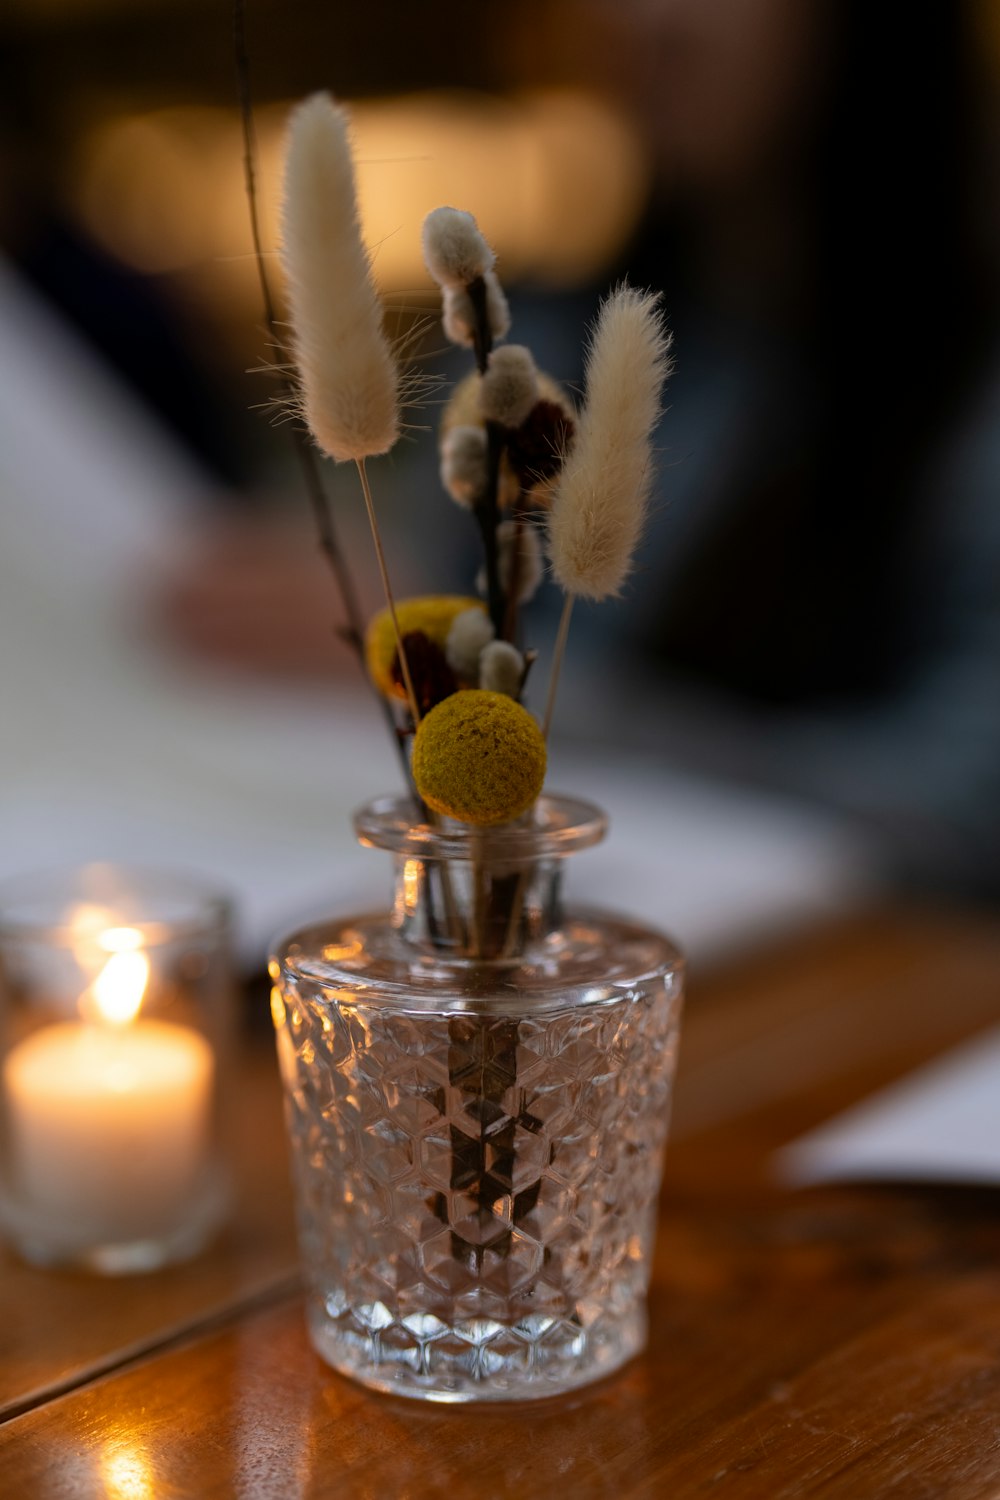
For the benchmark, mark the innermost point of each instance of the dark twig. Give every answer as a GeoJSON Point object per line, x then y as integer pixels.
{"type": "Point", "coordinates": [482, 334]}
{"type": "Point", "coordinates": [487, 511]}
{"type": "Point", "coordinates": [514, 580]}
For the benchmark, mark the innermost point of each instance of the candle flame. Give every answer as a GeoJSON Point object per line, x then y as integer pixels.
{"type": "Point", "coordinates": [120, 986]}
{"type": "Point", "coordinates": [120, 940]}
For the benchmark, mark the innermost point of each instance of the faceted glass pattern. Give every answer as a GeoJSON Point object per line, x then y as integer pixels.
{"type": "Point", "coordinates": [477, 1152]}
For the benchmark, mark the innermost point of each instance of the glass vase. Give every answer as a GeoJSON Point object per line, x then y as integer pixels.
{"type": "Point", "coordinates": [477, 1091]}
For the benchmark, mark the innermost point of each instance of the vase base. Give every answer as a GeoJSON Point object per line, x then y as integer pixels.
{"type": "Point", "coordinates": [481, 1361]}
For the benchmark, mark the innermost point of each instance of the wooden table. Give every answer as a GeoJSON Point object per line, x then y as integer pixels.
{"type": "Point", "coordinates": [835, 1342]}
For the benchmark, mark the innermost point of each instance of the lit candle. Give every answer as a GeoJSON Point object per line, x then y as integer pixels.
{"type": "Point", "coordinates": [109, 1116]}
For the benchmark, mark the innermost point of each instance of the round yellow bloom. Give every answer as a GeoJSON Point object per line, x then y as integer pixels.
{"type": "Point", "coordinates": [434, 614]}
{"type": "Point", "coordinates": [479, 757]}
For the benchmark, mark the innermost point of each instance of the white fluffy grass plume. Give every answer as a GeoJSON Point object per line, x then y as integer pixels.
{"type": "Point", "coordinates": [349, 380]}
{"type": "Point", "coordinates": [600, 504]}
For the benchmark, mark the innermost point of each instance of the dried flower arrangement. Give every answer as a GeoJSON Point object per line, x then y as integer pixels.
{"type": "Point", "coordinates": [441, 1251]}
{"type": "Point", "coordinates": [539, 477]}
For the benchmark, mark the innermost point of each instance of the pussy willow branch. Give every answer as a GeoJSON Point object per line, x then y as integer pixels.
{"type": "Point", "coordinates": [487, 511]}
{"type": "Point", "coordinates": [482, 334]}
{"type": "Point", "coordinates": [353, 632]}
{"type": "Point", "coordinates": [514, 579]}
{"type": "Point", "coordinates": [488, 517]}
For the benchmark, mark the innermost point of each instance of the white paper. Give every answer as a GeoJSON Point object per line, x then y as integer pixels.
{"type": "Point", "coordinates": [940, 1124]}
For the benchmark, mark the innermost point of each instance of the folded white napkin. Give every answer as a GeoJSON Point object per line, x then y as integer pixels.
{"type": "Point", "coordinates": [940, 1124]}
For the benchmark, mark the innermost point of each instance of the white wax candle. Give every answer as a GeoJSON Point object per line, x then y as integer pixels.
{"type": "Point", "coordinates": [109, 1126]}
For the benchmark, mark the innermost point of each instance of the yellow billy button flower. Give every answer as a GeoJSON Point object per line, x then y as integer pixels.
{"type": "Point", "coordinates": [433, 615]}
{"type": "Point", "coordinates": [479, 757]}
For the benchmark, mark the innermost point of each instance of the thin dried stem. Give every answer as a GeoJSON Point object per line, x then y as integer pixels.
{"type": "Point", "coordinates": [250, 155]}
{"type": "Point", "coordinates": [387, 589]}
{"type": "Point", "coordinates": [557, 661]}
{"type": "Point", "coordinates": [319, 504]}
{"type": "Point", "coordinates": [451, 912]}
{"type": "Point", "coordinates": [479, 902]}
{"type": "Point", "coordinates": [514, 916]}
{"type": "Point", "coordinates": [452, 917]}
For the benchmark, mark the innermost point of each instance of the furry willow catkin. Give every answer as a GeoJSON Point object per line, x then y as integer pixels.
{"type": "Point", "coordinates": [519, 558]}
{"type": "Point", "coordinates": [501, 668]}
{"type": "Point", "coordinates": [464, 464]}
{"type": "Point", "coordinates": [509, 388]}
{"type": "Point", "coordinates": [469, 633]}
{"type": "Point", "coordinates": [603, 491]}
{"type": "Point", "coordinates": [455, 251]}
{"type": "Point", "coordinates": [349, 383]}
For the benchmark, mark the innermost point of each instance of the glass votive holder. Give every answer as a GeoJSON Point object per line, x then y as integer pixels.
{"type": "Point", "coordinates": [115, 1032]}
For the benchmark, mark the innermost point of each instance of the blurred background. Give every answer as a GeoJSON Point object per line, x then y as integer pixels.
{"type": "Point", "coordinates": [800, 692]}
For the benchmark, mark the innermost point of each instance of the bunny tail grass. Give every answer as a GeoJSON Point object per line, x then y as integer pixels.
{"type": "Point", "coordinates": [600, 502]}
{"type": "Point", "coordinates": [349, 381]}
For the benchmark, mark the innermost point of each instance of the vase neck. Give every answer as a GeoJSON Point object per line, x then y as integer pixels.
{"type": "Point", "coordinates": [479, 894]}
{"type": "Point", "coordinates": [476, 909]}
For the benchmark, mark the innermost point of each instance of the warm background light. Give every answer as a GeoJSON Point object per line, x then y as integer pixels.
{"type": "Point", "coordinates": [555, 177]}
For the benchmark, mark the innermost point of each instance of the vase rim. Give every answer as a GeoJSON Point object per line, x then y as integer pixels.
{"type": "Point", "coordinates": [555, 827]}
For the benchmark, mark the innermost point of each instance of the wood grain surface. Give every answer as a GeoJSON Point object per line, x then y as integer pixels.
{"type": "Point", "coordinates": [60, 1328]}
{"type": "Point", "coordinates": [842, 1342]}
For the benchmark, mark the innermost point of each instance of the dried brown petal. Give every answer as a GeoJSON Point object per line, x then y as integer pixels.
{"type": "Point", "coordinates": [537, 448]}
{"type": "Point", "coordinates": [433, 679]}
